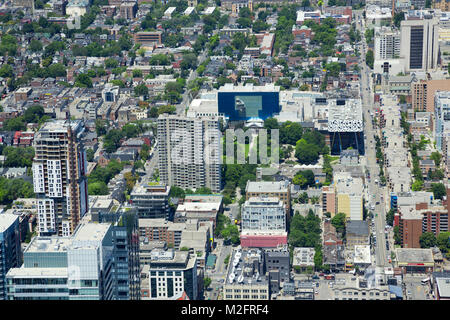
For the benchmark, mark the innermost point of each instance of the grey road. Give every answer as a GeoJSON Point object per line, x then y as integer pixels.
{"type": "Point", "coordinates": [219, 273]}
{"type": "Point", "coordinates": [181, 107]}
{"type": "Point", "coordinates": [152, 163]}
{"type": "Point", "coordinates": [377, 193]}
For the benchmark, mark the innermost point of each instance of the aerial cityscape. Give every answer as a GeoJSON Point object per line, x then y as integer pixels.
{"type": "Point", "coordinates": [228, 150]}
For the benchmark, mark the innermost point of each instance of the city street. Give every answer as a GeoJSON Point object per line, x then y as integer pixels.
{"type": "Point", "coordinates": [181, 107]}
{"type": "Point", "coordinates": [378, 194]}
{"type": "Point", "coordinates": [219, 273]}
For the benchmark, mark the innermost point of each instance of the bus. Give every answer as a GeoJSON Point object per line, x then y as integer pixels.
{"type": "Point", "coordinates": [425, 281]}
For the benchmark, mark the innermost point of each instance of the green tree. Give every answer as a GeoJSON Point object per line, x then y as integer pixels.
{"type": "Point", "coordinates": [370, 58]}
{"type": "Point", "coordinates": [339, 221]}
{"type": "Point", "coordinates": [318, 257]}
{"type": "Point", "coordinates": [390, 217]}
{"type": "Point", "coordinates": [176, 192]}
{"type": "Point", "coordinates": [304, 179]}
{"type": "Point", "coordinates": [306, 153]}
{"type": "Point", "coordinates": [443, 241]}
{"type": "Point", "coordinates": [141, 90]}
{"type": "Point", "coordinates": [90, 155]}
{"type": "Point", "coordinates": [83, 81]}
{"type": "Point", "coordinates": [98, 188]}
{"type": "Point", "coordinates": [35, 45]}
{"type": "Point", "coordinates": [436, 157]}
{"type": "Point", "coordinates": [111, 63]}
{"type": "Point", "coordinates": [427, 240]}
{"type": "Point", "coordinates": [290, 133]}
{"type": "Point", "coordinates": [439, 190]}
{"type": "Point", "coordinates": [397, 237]}
{"type": "Point", "coordinates": [207, 282]}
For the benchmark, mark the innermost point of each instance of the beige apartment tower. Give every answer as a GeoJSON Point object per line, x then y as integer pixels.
{"type": "Point", "coordinates": [189, 152]}
{"type": "Point", "coordinates": [59, 177]}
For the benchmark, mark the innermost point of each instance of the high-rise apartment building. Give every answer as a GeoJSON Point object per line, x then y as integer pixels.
{"type": "Point", "coordinates": [419, 42]}
{"type": "Point", "coordinates": [442, 118]}
{"type": "Point", "coordinates": [151, 200]}
{"type": "Point", "coordinates": [125, 238]}
{"type": "Point", "coordinates": [79, 267]}
{"type": "Point", "coordinates": [387, 44]}
{"type": "Point", "coordinates": [423, 93]}
{"type": "Point", "coordinates": [10, 249]}
{"type": "Point", "coordinates": [189, 152]}
{"type": "Point", "coordinates": [59, 177]}
{"type": "Point", "coordinates": [413, 221]}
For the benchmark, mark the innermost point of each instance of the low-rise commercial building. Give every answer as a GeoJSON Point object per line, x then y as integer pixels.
{"type": "Point", "coordinates": [412, 260]}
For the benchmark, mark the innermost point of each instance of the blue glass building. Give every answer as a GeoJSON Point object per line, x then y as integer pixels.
{"type": "Point", "coordinates": [240, 103]}
{"type": "Point", "coordinates": [10, 250]}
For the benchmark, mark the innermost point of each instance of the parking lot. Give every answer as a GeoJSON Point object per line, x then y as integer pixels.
{"type": "Point", "coordinates": [325, 289]}
{"type": "Point", "coordinates": [414, 289]}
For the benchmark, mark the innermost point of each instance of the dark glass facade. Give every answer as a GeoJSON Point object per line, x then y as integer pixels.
{"type": "Point", "coordinates": [240, 106]}
{"type": "Point", "coordinates": [416, 48]}
{"type": "Point", "coordinates": [126, 275]}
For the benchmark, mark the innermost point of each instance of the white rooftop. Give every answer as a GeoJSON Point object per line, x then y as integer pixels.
{"type": "Point", "coordinates": [91, 231]}
{"type": "Point", "coordinates": [362, 254]}
{"type": "Point", "coordinates": [199, 206]}
{"type": "Point", "coordinates": [249, 87]}
{"type": "Point", "coordinates": [6, 220]}
{"type": "Point", "coordinates": [34, 272]}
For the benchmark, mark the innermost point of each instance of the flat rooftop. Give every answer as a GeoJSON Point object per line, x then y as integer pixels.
{"type": "Point", "coordinates": [412, 255]}
{"type": "Point", "coordinates": [443, 286]}
{"type": "Point", "coordinates": [249, 87]}
{"type": "Point", "coordinates": [267, 186]}
{"type": "Point", "coordinates": [345, 115]}
{"type": "Point", "coordinates": [199, 206]}
{"type": "Point", "coordinates": [362, 254]}
{"type": "Point", "coordinates": [264, 202]}
{"type": "Point", "coordinates": [49, 244]}
{"type": "Point", "coordinates": [203, 198]}
{"type": "Point", "coordinates": [59, 126]}
{"type": "Point", "coordinates": [35, 272]}
{"type": "Point", "coordinates": [241, 264]}
{"type": "Point", "coordinates": [6, 220]}
{"type": "Point", "coordinates": [158, 223]}
{"type": "Point", "coordinates": [91, 231]}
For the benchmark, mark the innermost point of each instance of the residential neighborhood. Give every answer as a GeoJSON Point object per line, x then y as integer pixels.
{"type": "Point", "coordinates": [260, 150]}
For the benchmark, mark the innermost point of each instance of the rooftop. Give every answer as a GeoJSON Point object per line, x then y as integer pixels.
{"type": "Point", "coordinates": [267, 186]}
{"type": "Point", "coordinates": [249, 87]}
{"type": "Point", "coordinates": [48, 244]}
{"type": "Point", "coordinates": [33, 272]}
{"type": "Point", "coordinates": [412, 255]}
{"type": "Point", "coordinates": [6, 220]}
{"type": "Point", "coordinates": [443, 287]}
{"type": "Point", "coordinates": [199, 206]}
{"type": "Point", "coordinates": [244, 267]}
{"type": "Point", "coordinates": [357, 227]}
{"type": "Point", "coordinates": [91, 231]}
